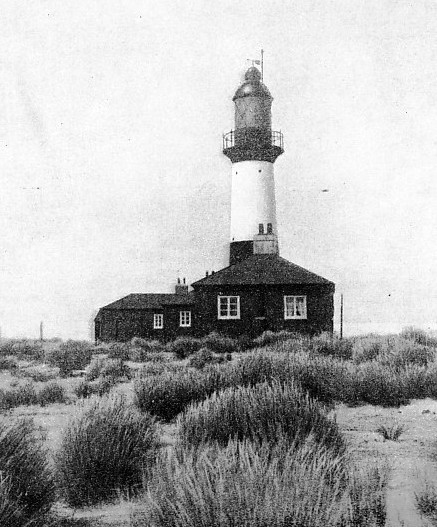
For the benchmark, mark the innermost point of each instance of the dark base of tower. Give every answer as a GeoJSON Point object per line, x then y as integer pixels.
{"type": "Point", "coordinates": [246, 153]}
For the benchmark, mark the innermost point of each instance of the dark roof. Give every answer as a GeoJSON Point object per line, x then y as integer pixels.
{"type": "Point", "coordinates": [150, 301]}
{"type": "Point", "coordinates": [268, 269]}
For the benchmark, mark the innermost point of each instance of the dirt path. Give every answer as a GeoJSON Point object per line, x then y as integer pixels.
{"type": "Point", "coordinates": [412, 457]}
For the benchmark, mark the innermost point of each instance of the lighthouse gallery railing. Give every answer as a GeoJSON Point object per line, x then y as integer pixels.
{"type": "Point", "coordinates": [276, 138]}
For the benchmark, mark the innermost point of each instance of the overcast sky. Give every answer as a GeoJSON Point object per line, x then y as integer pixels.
{"type": "Point", "coordinates": [112, 176]}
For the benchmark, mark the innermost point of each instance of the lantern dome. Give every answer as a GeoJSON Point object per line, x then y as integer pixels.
{"type": "Point", "coordinates": [252, 85]}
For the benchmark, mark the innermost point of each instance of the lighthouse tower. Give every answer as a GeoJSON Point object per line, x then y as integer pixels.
{"type": "Point", "coordinates": [253, 148]}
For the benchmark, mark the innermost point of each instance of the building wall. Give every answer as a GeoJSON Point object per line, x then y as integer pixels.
{"type": "Point", "coordinates": [262, 308]}
{"type": "Point", "coordinates": [124, 324]}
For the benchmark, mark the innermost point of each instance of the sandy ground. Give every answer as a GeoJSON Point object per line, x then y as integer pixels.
{"type": "Point", "coordinates": [411, 458]}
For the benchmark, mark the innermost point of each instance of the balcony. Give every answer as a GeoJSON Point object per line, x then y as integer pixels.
{"type": "Point", "coordinates": [253, 144]}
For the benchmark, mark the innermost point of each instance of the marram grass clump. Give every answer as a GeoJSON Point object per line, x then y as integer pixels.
{"type": "Point", "coordinates": [267, 412]}
{"type": "Point", "coordinates": [104, 451]}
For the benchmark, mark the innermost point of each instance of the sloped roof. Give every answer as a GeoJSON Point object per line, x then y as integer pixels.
{"type": "Point", "coordinates": [150, 301]}
{"type": "Point", "coordinates": [262, 269]}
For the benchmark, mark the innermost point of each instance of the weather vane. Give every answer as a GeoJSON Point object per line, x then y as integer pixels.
{"type": "Point", "coordinates": [259, 63]}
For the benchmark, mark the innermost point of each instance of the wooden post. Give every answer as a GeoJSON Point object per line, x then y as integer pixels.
{"type": "Point", "coordinates": [41, 331]}
{"type": "Point", "coordinates": [341, 316]}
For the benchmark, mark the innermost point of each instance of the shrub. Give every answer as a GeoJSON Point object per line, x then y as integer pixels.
{"type": "Point", "coordinates": [115, 368]}
{"type": "Point", "coordinates": [69, 356]}
{"type": "Point", "coordinates": [244, 485]}
{"type": "Point", "coordinates": [144, 356]}
{"type": "Point", "coordinates": [8, 363]}
{"type": "Point", "coordinates": [426, 502]}
{"type": "Point", "coordinates": [27, 349]}
{"type": "Point", "coordinates": [183, 347]}
{"type": "Point", "coordinates": [6, 346]}
{"type": "Point", "coordinates": [265, 412]}
{"type": "Point", "coordinates": [94, 368]}
{"type": "Point", "coordinates": [26, 478]}
{"type": "Point", "coordinates": [367, 348]}
{"type": "Point", "coordinates": [37, 374]}
{"type": "Point", "coordinates": [99, 387]}
{"type": "Point", "coordinates": [203, 357]}
{"type": "Point", "coordinates": [219, 343]}
{"type": "Point", "coordinates": [22, 395]}
{"type": "Point", "coordinates": [418, 336]}
{"type": "Point", "coordinates": [157, 368]}
{"type": "Point", "coordinates": [269, 337]}
{"type": "Point", "coordinates": [167, 394]}
{"type": "Point", "coordinates": [402, 352]}
{"type": "Point", "coordinates": [141, 348]}
{"type": "Point", "coordinates": [326, 344]}
{"type": "Point", "coordinates": [51, 393]}
{"type": "Point", "coordinates": [119, 350]}
{"type": "Point", "coordinates": [104, 450]}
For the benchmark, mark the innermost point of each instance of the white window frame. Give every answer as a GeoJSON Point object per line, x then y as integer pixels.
{"type": "Point", "coordinates": [288, 299]}
{"type": "Point", "coordinates": [228, 315]}
{"type": "Point", "coordinates": [158, 321]}
{"type": "Point", "coordinates": [185, 319]}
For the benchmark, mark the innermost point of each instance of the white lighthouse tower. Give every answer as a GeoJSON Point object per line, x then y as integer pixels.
{"type": "Point", "coordinates": [253, 148]}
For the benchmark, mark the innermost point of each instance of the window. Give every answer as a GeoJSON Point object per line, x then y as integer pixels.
{"type": "Point", "coordinates": [185, 319]}
{"type": "Point", "coordinates": [228, 307]}
{"type": "Point", "coordinates": [269, 228]}
{"type": "Point", "coordinates": [158, 321]}
{"type": "Point", "coordinates": [295, 307]}
{"type": "Point", "coordinates": [261, 228]}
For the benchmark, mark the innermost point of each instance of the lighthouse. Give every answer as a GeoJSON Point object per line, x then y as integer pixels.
{"type": "Point", "coordinates": [253, 148]}
{"type": "Point", "coordinates": [259, 290]}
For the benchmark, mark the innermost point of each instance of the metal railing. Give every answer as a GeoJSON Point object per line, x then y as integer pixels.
{"type": "Point", "coordinates": [276, 139]}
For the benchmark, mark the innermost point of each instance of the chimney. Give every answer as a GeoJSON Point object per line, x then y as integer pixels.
{"type": "Point", "coordinates": [181, 289]}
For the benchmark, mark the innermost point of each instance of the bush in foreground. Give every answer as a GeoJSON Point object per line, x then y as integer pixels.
{"type": "Point", "coordinates": [27, 489]}
{"type": "Point", "coordinates": [263, 413]}
{"type": "Point", "coordinates": [104, 450]}
{"type": "Point", "coordinates": [244, 485]}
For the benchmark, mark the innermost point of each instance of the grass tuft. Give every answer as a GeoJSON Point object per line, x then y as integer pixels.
{"type": "Point", "coordinates": [104, 451]}
{"type": "Point", "coordinates": [391, 432]}
{"type": "Point", "coordinates": [27, 489]}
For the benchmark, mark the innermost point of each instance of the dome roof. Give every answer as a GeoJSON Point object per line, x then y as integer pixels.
{"type": "Point", "coordinates": [252, 85]}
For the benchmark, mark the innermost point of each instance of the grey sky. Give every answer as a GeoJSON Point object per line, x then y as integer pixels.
{"type": "Point", "coordinates": [112, 177]}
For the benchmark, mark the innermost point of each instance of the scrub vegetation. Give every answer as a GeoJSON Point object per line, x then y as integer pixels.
{"type": "Point", "coordinates": [210, 431]}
